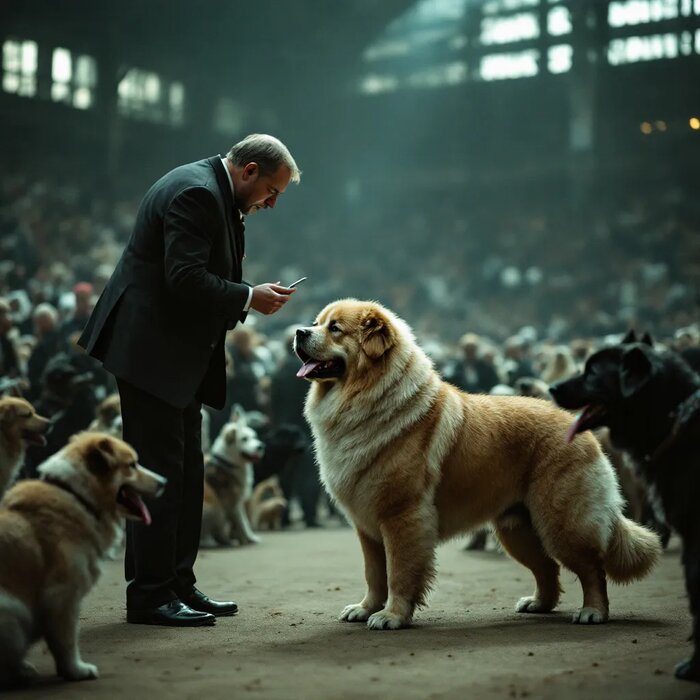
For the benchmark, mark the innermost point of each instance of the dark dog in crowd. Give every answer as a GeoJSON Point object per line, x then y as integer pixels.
{"type": "Point", "coordinates": [68, 401]}
{"type": "Point", "coordinates": [650, 401]}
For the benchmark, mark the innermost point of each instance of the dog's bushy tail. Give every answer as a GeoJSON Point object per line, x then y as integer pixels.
{"type": "Point", "coordinates": [632, 551]}
{"type": "Point", "coordinates": [15, 626]}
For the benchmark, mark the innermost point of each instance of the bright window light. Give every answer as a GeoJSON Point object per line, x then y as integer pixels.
{"type": "Point", "coordinates": [61, 66]}
{"type": "Point", "coordinates": [559, 58]}
{"type": "Point", "coordinates": [630, 12]}
{"type": "Point", "coordinates": [559, 21]}
{"type": "Point", "coordinates": [504, 30]}
{"type": "Point", "coordinates": [437, 76]}
{"type": "Point", "coordinates": [642, 48]}
{"type": "Point", "coordinates": [19, 64]}
{"type": "Point", "coordinates": [509, 65]}
{"type": "Point", "coordinates": [376, 84]}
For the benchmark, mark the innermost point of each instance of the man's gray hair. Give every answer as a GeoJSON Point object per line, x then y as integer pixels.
{"type": "Point", "coordinates": [265, 150]}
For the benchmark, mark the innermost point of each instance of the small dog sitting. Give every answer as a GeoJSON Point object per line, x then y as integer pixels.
{"type": "Point", "coordinates": [267, 505]}
{"type": "Point", "coordinates": [19, 426]}
{"type": "Point", "coordinates": [650, 401]}
{"type": "Point", "coordinates": [54, 533]}
{"type": "Point", "coordinates": [228, 483]}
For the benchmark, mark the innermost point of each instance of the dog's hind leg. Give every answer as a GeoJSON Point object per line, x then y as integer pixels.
{"type": "Point", "coordinates": [60, 627]}
{"type": "Point", "coordinates": [375, 575]}
{"type": "Point", "coordinates": [518, 537]}
{"type": "Point", "coordinates": [587, 565]}
{"type": "Point", "coordinates": [690, 670]}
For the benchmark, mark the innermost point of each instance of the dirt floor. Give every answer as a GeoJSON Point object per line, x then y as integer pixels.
{"type": "Point", "coordinates": [287, 642]}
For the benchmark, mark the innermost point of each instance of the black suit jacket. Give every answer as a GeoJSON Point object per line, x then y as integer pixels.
{"type": "Point", "coordinates": [161, 320]}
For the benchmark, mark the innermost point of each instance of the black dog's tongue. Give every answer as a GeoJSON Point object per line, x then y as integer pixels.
{"type": "Point", "coordinates": [581, 422]}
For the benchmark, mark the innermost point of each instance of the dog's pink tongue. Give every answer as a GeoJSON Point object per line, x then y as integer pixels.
{"type": "Point", "coordinates": [308, 367]}
{"type": "Point", "coordinates": [574, 427]}
{"type": "Point", "coordinates": [137, 502]}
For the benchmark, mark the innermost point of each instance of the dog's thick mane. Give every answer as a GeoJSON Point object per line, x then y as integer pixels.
{"type": "Point", "coordinates": [401, 397]}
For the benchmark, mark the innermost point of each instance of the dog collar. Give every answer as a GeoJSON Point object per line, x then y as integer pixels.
{"type": "Point", "coordinates": [81, 499]}
{"type": "Point", "coordinates": [682, 415]}
{"type": "Point", "coordinates": [222, 462]}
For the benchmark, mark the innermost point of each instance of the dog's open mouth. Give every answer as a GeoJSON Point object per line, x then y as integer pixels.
{"type": "Point", "coordinates": [130, 500]}
{"type": "Point", "coordinates": [319, 369]}
{"type": "Point", "coordinates": [254, 457]}
{"type": "Point", "coordinates": [591, 417]}
{"type": "Point", "coordinates": [34, 438]}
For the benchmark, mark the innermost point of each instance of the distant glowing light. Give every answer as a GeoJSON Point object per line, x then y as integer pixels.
{"type": "Point", "coordinates": [660, 125]}
{"type": "Point", "coordinates": [646, 128]}
{"type": "Point", "coordinates": [694, 123]}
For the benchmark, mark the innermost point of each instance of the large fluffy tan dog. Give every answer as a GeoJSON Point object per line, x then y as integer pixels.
{"type": "Point", "coordinates": [414, 461]}
{"type": "Point", "coordinates": [53, 534]}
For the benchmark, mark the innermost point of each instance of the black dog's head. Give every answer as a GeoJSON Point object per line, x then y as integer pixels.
{"type": "Point", "coordinates": [630, 388]}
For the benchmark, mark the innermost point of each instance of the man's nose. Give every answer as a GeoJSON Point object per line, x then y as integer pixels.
{"type": "Point", "coordinates": [271, 201]}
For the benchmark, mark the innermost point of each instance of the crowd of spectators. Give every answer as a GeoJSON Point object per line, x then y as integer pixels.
{"type": "Point", "coordinates": [494, 295]}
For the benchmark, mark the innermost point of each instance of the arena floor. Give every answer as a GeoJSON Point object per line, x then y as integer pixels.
{"type": "Point", "coordinates": [287, 642]}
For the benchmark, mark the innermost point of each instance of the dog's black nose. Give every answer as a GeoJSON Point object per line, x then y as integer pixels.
{"type": "Point", "coordinates": [303, 333]}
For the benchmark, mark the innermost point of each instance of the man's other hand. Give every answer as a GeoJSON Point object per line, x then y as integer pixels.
{"type": "Point", "coordinates": [269, 298]}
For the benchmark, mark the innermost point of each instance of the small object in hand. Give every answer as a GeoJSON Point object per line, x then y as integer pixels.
{"type": "Point", "coordinates": [299, 281]}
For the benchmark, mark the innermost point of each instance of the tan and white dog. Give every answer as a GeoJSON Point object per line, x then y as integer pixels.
{"type": "Point", "coordinates": [54, 533]}
{"type": "Point", "coordinates": [228, 483]}
{"type": "Point", "coordinates": [19, 425]}
{"type": "Point", "coordinates": [414, 461]}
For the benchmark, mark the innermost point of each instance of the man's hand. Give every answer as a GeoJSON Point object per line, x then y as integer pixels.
{"type": "Point", "coordinates": [269, 298]}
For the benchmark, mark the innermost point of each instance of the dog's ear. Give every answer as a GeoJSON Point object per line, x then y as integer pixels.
{"type": "Point", "coordinates": [647, 340]}
{"type": "Point", "coordinates": [237, 413]}
{"type": "Point", "coordinates": [376, 336]}
{"type": "Point", "coordinates": [636, 370]}
{"type": "Point", "coordinates": [630, 337]}
{"type": "Point", "coordinates": [99, 457]}
{"type": "Point", "coordinates": [7, 413]}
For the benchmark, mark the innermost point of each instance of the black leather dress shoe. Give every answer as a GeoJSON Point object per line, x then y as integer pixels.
{"type": "Point", "coordinates": [172, 614]}
{"type": "Point", "coordinates": [198, 601]}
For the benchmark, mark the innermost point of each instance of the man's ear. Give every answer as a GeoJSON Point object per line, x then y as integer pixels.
{"type": "Point", "coordinates": [376, 337]}
{"type": "Point", "coordinates": [636, 370]}
{"type": "Point", "coordinates": [630, 337]}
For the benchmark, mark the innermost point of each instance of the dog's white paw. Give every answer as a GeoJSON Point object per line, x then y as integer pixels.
{"type": "Point", "coordinates": [80, 671]}
{"type": "Point", "coordinates": [354, 613]}
{"type": "Point", "coordinates": [385, 620]}
{"type": "Point", "coordinates": [530, 604]}
{"type": "Point", "coordinates": [589, 616]}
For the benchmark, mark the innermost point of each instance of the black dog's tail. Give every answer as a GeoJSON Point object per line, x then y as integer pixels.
{"type": "Point", "coordinates": [632, 551]}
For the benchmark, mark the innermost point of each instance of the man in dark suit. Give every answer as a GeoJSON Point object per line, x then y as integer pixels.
{"type": "Point", "coordinates": [159, 327]}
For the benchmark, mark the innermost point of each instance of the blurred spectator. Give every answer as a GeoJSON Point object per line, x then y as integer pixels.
{"type": "Point", "coordinates": [473, 373]}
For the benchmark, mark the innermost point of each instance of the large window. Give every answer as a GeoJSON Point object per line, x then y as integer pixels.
{"type": "Point", "coordinates": [19, 64]}
{"type": "Point", "coordinates": [509, 65]}
{"type": "Point", "coordinates": [146, 95]}
{"type": "Point", "coordinates": [73, 78]}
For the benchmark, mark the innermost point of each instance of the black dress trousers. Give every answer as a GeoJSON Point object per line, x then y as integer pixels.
{"type": "Point", "coordinates": [160, 557]}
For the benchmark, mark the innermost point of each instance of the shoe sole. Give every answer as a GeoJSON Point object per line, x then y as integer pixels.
{"type": "Point", "coordinates": [146, 619]}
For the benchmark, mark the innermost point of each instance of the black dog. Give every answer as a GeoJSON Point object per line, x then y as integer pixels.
{"type": "Point", "coordinates": [650, 400]}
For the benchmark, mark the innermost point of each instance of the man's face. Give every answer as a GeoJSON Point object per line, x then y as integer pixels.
{"type": "Point", "coordinates": [256, 191]}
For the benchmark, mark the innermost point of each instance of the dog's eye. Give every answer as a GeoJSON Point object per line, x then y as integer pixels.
{"type": "Point", "coordinates": [333, 327]}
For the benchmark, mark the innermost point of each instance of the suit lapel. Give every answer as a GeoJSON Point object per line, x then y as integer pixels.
{"type": "Point", "coordinates": [234, 225]}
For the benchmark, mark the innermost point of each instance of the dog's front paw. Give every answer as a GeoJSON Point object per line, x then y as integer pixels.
{"type": "Point", "coordinates": [589, 616]}
{"type": "Point", "coordinates": [354, 613]}
{"type": "Point", "coordinates": [80, 671]}
{"type": "Point", "coordinates": [530, 604]}
{"type": "Point", "coordinates": [688, 671]}
{"type": "Point", "coordinates": [386, 620]}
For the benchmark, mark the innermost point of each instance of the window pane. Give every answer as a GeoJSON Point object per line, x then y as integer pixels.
{"type": "Point", "coordinates": [11, 56]}
{"type": "Point", "coordinates": [85, 71]}
{"type": "Point", "coordinates": [559, 60]}
{"type": "Point", "coordinates": [61, 66]}
{"type": "Point", "coordinates": [559, 21]}
{"type": "Point", "coordinates": [29, 52]}
{"type": "Point", "coordinates": [503, 30]}
{"type": "Point", "coordinates": [60, 92]}
{"type": "Point", "coordinates": [10, 82]}
{"type": "Point", "coordinates": [82, 98]}
{"type": "Point", "coordinates": [509, 65]}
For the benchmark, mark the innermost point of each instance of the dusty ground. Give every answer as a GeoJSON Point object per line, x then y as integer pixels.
{"type": "Point", "coordinates": [287, 642]}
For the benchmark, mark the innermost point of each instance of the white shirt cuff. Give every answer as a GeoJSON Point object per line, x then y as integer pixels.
{"type": "Point", "coordinates": [250, 298]}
